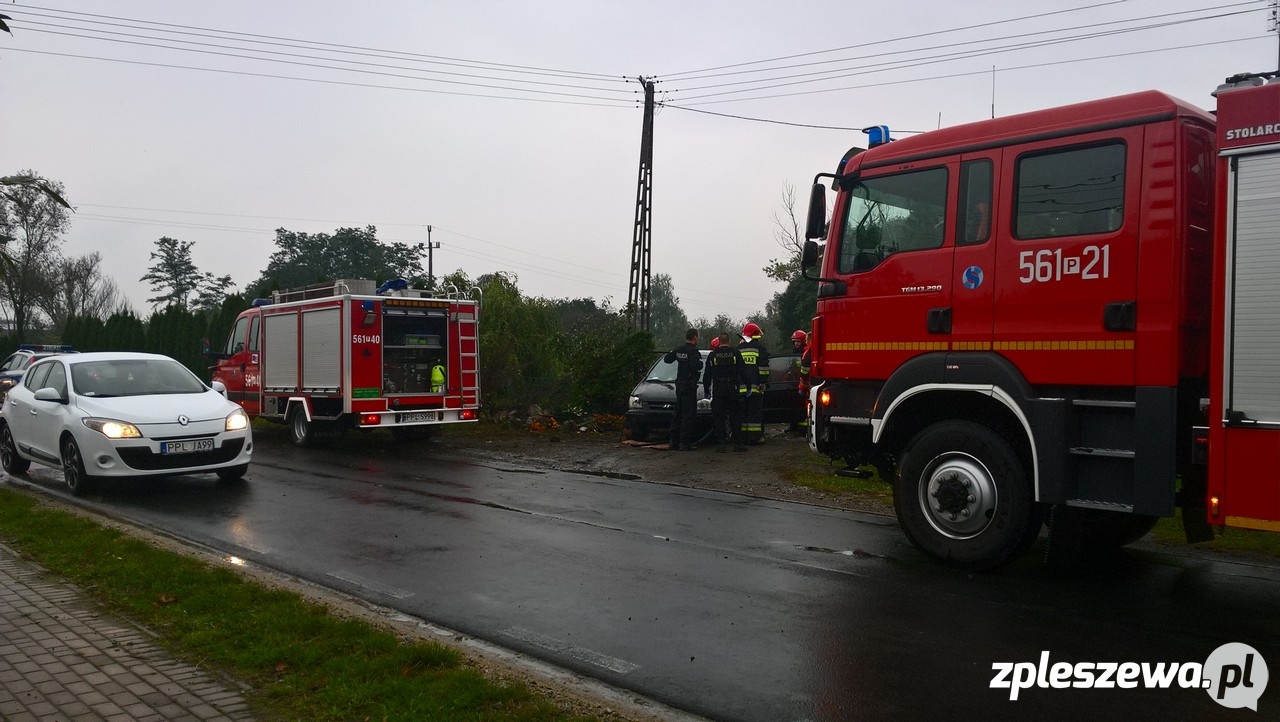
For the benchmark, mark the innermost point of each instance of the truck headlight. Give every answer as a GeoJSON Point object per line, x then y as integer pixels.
{"type": "Point", "coordinates": [634, 403]}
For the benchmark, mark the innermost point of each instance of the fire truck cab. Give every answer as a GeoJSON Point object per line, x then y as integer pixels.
{"type": "Point", "coordinates": [1014, 321]}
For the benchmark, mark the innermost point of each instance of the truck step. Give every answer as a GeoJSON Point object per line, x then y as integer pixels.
{"type": "Point", "coordinates": [1101, 404]}
{"type": "Point", "coordinates": [1109, 453]}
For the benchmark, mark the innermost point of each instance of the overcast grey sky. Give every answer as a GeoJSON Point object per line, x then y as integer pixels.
{"type": "Point", "coordinates": [510, 127]}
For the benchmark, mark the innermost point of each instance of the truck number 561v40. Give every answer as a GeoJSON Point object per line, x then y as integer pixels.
{"type": "Point", "coordinates": [1046, 264]}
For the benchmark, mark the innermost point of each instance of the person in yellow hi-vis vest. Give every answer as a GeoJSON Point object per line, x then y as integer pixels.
{"type": "Point", "coordinates": [437, 377]}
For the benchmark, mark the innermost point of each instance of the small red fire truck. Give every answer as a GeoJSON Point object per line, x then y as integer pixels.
{"type": "Point", "coordinates": [1068, 316]}
{"type": "Point", "coordinates": [346, 355]}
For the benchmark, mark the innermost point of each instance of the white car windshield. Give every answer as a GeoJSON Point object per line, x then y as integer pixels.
{"type": "Point", "coordinates": [133, 377]}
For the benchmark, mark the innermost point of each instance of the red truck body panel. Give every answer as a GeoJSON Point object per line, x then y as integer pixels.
{"type": "Point", "coordinates": [1244, 414]}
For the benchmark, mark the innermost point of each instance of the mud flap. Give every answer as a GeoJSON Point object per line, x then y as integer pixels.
{"type": "Point", "coordinates": [1191, 499]}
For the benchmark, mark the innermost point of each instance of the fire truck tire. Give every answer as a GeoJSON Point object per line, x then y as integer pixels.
{"type": "Point", "coordinates": [302, 429]}
{"type": "Point", "coordinates": [9, 458]}
{"type": "Point", "coordinates": [963, 496]}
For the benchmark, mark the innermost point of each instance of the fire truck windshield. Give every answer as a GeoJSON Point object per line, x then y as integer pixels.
{"type": "Point", "coordinates": [891, 214]}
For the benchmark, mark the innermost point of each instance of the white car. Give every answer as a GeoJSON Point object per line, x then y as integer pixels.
{"type": "Point", "coordinates": [116, 414]}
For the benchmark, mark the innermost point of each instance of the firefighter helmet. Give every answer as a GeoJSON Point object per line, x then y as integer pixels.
{"type": "Point", "coordinates": [750, 330]}
{"type": "Point", "coordinates": [800, 336]}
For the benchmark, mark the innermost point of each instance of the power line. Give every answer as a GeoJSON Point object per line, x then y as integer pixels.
{"type": "Point", "coordinates": [341, 47]}
{"type": "Point", "coordinates": [327, 67]}
{"type": "Point", "coordinates": [936, 59]}
{"type": "Point", "coordinates": [604, 102]}
{"type": "Point", "coordinates": [776, 122]}
{"type": "Point", "coordinates": [1020, 45]}
{"type": "Point", "coordinates": [977, 72]}
{"type": "Point", "coordinates": [116, 37]}
{"type": "Point", "coordinates": [238, 215]}
{"type": "Point", "coordinates": [500, 261]}
{"type": "Point", "coordinates": [894, 40]}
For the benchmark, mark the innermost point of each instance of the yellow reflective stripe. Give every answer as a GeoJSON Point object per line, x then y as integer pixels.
{"type": "Point", "coordinates": [1041, 345]}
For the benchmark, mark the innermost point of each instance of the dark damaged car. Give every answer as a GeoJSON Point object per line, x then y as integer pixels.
{"type": "Point", "coordinates": [653, 400]}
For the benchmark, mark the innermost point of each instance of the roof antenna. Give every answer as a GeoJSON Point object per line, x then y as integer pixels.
{"type": "Point", "coordinates": [993, 91]}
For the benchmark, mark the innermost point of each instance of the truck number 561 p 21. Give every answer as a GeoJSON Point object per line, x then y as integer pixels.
{"type": "Point", "coordinates": [1046, 264]}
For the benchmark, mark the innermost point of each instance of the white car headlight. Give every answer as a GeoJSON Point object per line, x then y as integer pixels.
{"type": "Point", "coordinates": [113, 429]}
{"type": "Point", "coordinates": [237, 420]}
{"type": "Point", "coordinates": [634, 403]}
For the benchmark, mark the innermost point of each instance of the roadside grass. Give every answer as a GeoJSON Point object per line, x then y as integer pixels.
{"type": "Point", "coordinates": [805, 468]}
{"type": "Point", "coordinates": [299, 660]}
{"type": "Point", "coordinates": [1168, 531]}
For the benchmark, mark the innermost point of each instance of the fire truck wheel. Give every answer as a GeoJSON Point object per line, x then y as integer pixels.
{"type": "Point", "coordinates": [303, 431]}
{"type": "Point", "coordinates": [964, 496]}
{"type": "Point", "coordinates": [9, 458]}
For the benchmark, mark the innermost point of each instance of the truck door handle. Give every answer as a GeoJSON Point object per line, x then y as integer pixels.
{"type": "Point", "coordinates": [940, 320]}
{"type": "Point", "coordinates": [1120, 316]}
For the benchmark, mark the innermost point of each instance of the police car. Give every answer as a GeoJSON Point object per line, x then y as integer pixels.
{"type": "Point", "coordinates": [16, 364]}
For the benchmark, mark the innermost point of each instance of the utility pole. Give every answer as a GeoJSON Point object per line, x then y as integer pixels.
{"type": "Point", "coordinates": [431, 247]}
{"type": "Point", "coordinates": [1273, 22]}
{"type": "Point", "coordinates": [638, 297]}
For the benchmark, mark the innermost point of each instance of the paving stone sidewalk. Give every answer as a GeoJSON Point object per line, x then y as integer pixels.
{"type": "Point", "coordinates": [61, 659]}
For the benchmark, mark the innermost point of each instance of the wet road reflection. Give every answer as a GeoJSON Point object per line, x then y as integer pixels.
{"type": "Point", "coordinates": [730, 607]}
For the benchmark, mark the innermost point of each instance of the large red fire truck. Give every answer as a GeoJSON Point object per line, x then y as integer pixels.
{"type": "Point", "coordinates": [1069, 316]}
{"type": "Point", "coordinates": [346, 355]}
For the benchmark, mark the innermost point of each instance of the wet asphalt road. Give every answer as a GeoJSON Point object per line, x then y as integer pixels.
{"type": "Point", "coordinates": [725, 606]}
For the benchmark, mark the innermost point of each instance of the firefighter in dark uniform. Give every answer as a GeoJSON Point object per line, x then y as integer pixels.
{"type": "Point", "coordinates": [723, 383]}
{"type": "Point", "coordinates": [800, 341]}
{"type": "Point", "coordinates": [755, 359]}
{"type": "Point", "coordinates": [688, 361]}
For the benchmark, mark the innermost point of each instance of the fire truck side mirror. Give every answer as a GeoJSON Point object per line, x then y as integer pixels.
{"type": "Point", "coordinates": [206, 350]}
{"type": "Point", "coordinates": [816, 225]}
{"type": "Point", "coordinates": [809, 255]}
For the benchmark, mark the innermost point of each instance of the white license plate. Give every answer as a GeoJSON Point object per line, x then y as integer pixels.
{"type": "Point", "coordinates": [186, 447]}
{"type": "Point", "coordinates": [417, 417]}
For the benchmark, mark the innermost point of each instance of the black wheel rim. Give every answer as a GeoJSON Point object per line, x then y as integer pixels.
{"type": "Point", "coordinates": [71, 465]}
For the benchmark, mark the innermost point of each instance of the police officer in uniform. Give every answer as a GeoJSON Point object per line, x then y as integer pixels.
{"type": "Point", "coordinates": [688, 361]}
{"type": "Point", "coordinates": [755, 359]}
{"type": "Point", "coordinates": [723, 382]}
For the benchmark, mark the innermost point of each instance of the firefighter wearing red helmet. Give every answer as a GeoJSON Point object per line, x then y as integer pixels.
{"type": "Point", "coordinates": [755, 359]}
{"type": "Point", "coordinates": [800, 341]}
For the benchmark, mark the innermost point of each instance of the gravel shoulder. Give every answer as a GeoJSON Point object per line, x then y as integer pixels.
{"type": "Point", "coordinates": [769, 470]}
